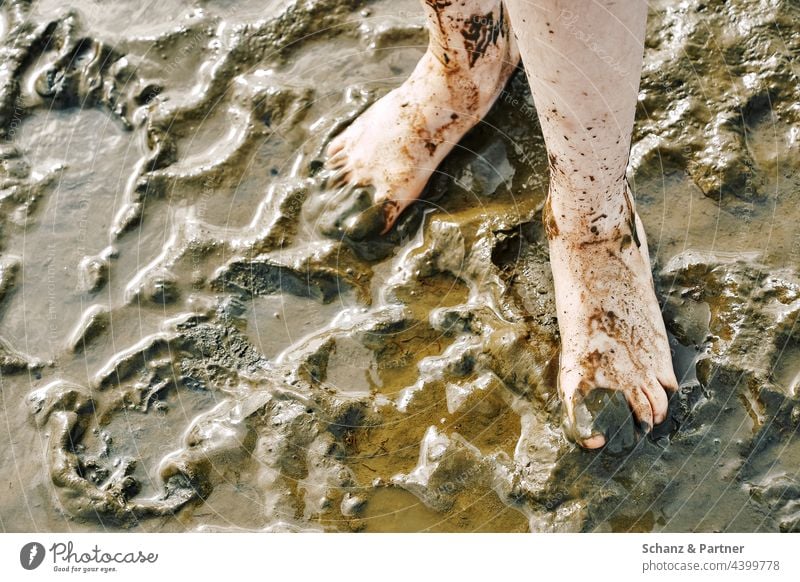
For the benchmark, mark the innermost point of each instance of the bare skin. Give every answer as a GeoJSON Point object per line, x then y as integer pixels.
{"type": "Point", "coordinates": [583, 59]}
{"type": "Point", "coordinates": [612, 332]}
{"type": "Point", "coordinates": [394, 147]}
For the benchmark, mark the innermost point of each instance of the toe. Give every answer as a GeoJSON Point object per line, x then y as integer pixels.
{"type": "Point", "coordinates": [335, 146]}
{"type": "Point", "coordinates": [641, 408]}
{"type": "Point", "coordinates": [336, 161]}
{"type": "Point", "coordinates": [339, 178]}
{"type": "Point", "coordinates": [352, 210]}
{"type": "Point", "coordinates": [603, 418]}
{"type": "Point", "coordinates": [367, 224]}
{"type": "Point", "coordinates": [668, 381]}
{"type": "Point", "coordinates": [593, 442]}
{"type": "Point", "coordinates": [658, 401]}
{"type": "Point", "coordinates": [664, 370]}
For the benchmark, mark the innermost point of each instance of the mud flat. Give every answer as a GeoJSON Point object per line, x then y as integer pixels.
{"type": "Point", "coordinates": [181, 348]}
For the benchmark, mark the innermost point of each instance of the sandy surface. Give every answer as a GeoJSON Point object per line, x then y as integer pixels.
{"type": "Point", "coordinates": [182, 349]}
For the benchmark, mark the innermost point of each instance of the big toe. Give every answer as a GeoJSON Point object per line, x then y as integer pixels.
{"type": "Point", "coordinates": [367, 223]}
{"type": "Point", "coordinates": [602, 417]}
{"type": "Point", "coordinates": [350, 211]}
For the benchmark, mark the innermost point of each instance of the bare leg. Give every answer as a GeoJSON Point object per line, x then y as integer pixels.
{"type": "Point", "coordinates": [583, 59]}
{"type": "Point", "coordinates": [391, 150]}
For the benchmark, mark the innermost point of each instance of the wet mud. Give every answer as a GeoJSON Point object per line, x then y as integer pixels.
{"type": "Point", "coordinates": [183, 348]}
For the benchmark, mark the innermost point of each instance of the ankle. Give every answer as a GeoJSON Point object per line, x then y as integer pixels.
{"type": "Point", "coordinates": [590, 218]}
{"type": "Point", "coordinates": [467, 90]}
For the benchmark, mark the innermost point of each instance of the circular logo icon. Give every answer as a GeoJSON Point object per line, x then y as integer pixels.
{"type": "Point", "coordinates": [31, 555]}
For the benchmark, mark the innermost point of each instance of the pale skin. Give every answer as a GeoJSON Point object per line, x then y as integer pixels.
{"type": "Point", "coordinates": [583, 59]}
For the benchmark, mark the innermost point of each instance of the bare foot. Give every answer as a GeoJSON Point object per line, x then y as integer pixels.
{"type": "Point", "coordinates": [381, 163]}
{"type": "Point", "coordinates": [613, 339]}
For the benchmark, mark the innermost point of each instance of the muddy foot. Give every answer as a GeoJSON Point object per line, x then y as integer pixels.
{"type": "Point", "coordinates": [381, 163]}
{"type": "Point", "coordinates": [613, 338]}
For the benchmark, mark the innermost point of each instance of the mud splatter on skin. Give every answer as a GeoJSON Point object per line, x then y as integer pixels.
{"type": "Point", "coordinates": [608, 323]}
{"type": "Point", "coordinates": [246, 373]}
{"type": "Point", "coordinates": [550, 224]}
{"type": "Point", "coordinates": [438, 5]}
{"type": "Point", "coordinates": [480, 31]}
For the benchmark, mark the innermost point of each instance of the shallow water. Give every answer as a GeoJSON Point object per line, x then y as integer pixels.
{"type": "Point", "coordinates": [181, 349]}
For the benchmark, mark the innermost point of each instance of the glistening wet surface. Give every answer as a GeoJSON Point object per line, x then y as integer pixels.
{"type": "Point", "coordinates": [182, 349]}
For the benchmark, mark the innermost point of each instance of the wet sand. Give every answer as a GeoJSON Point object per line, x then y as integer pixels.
{"type": "Point", "coordinates": [182, 349]}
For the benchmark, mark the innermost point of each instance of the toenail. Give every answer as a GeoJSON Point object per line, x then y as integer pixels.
{"type": "Point", "coordinates": [594, 442]}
